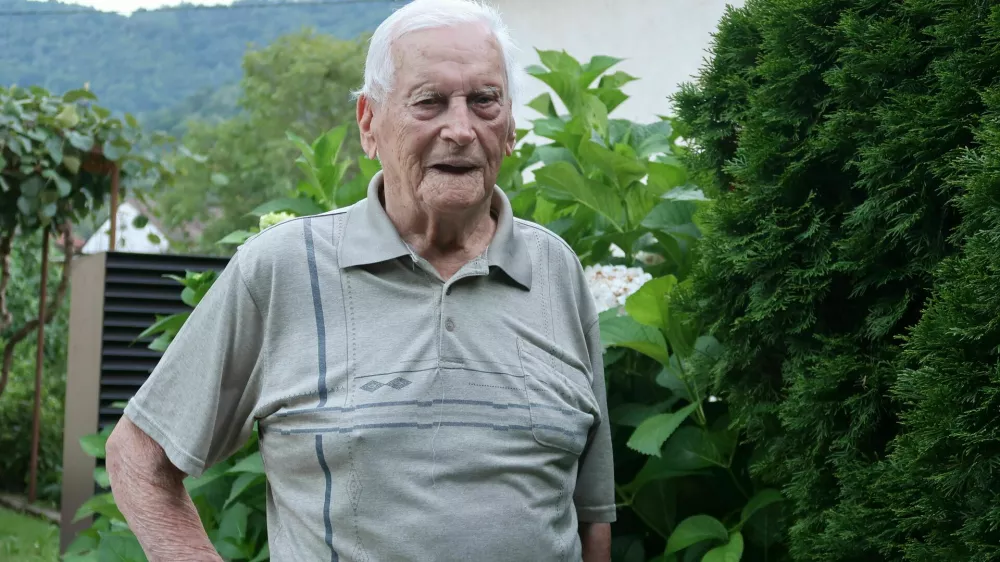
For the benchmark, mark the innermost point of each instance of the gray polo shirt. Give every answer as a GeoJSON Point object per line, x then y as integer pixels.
{"type": "Point", "coordinates": [402, 417]}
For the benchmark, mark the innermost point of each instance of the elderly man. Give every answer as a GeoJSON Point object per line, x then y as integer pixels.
{"type": "Point", "coordinates": [424, 369]}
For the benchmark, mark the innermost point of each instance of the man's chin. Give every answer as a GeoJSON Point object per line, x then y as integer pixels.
{"type": "Point", "coordinates": [455, 193]}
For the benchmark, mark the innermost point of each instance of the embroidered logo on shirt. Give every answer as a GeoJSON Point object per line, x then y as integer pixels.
{"type": "Point", "coordinates": [396, 383]}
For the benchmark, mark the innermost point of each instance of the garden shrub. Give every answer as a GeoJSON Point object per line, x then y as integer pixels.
{"type": "Point", "coordinates": [834, 130]}
{"type": "Point", "coordinates": [944, 493]}
{"type": "Point", "coordinates": [17, 401]}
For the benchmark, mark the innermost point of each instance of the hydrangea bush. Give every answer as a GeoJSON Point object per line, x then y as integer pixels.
{"type": "Point", "coordinates": [612, 284]}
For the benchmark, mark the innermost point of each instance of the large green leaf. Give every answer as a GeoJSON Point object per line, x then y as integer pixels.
{"type": "Point", "coordinates": [632, 414]}
{"type": "Point", "coordinates": [657, 504]}
{"type": "Point", "coordinates": [208, 478]}
{"type": "Point", "coordinates": [666, 174]}
{"type": "Point", "coordinates": [565, 86]}
{"type": "Point", "coordinates": [693, 448]}
{"type": "Point", "coordinates": [618, 168]}
{"type": "Point", "coordinates": [326, 149]}
{"type": "Point", "coordinates": [543, 104]}
{"type": "Point", "coordinates": [101, 477]}
{"type": "Point", "coordinates": [615, 81]}
{"type": "Point", "coordinates": [708, 347]}
{"type": "Point", "coordinates": [695, 529]}
{"type": "Point", "coordinates": [610, 97]}
{"type": "Point", "coordinates": [559, 61]}
{"type": "Point", "coordinates": [623, 331]}
{"type": "Point", "coordinates": [81, 94]}
{"type": "Point", "coordinates": [648, 438]}
{"type": "Point", "coordinates": [95, 443]}
{"type": "Point", "coordinates": [628, 548]}
{"type": "Point", "coordinates": [301, 206]}
{"type": "Point", "coordinates": [732, 551]}
{"type": "Point", "coordinates": [72, 164]}
{"type": "Point", "coordinates": [242, 483]}
{"type": "Point", "coordinates": [236, 237]}
{"type": "Point", "coordinates": [120, 546]}
{"type": "Point", "coordinates": [594, 113]}
{"type": "Point", "coordinates": [680, 330]}
{"type": "Point", "coordinates": [169, 324]}
{"type": "Point", "coordinates": [595, 67]}
{"type": "Point", "coordinates": [101, 504]}
{"type": "Point", "coordinates": [304, 147]}
{"type": "Point", "coordinates": [673, 217]}
{"type": "Point", "coordinates": [759, 501]}
{"type": "Point", "coordinates": [264, 554]}
{"type": "Point", "coordinates": [563, 177]}
{"type": "Point", "coordinates": [253, 464]}
{"type": "Point", "coordinates": [648, 305]}
{"type": "Point", "coordinates": [231, 534]}
{"type": "Point", "coordinates": [81, 141]}
{"type": "Point", "coordinates": [656, 468]}
{"type": "Point", "coordinates": [651, 139]}
{"type": "Point", "coordinates": [674, 378]}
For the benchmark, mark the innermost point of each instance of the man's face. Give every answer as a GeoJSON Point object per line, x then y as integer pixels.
{"type": "Point", "coordinates": [445, 128]}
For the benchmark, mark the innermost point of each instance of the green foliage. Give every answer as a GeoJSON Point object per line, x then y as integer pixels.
{"type": "Point", "coordinates": [26, 539]}
{"type": "Point", "coordinates": [833, 129]}
{"type": "Point", "coordinates": [52, 153]}
{"type": "Point", "coordinates": [162, 65]}
{"type": "Point", "coordinates": [942, 490]}
{"type": "Point", "coordinates": [299, 85]}
{"type": "Point", "coordinates": [165, 328]}
{"type": "Point", "coordinates": [603, 181]}
{"type": "Point", "coordinates": [229, 497]}
{"type": "Point", "coordinates": [606, 182]}
{"type": "Point", "coordinates": [17, 401]}
{"type": "Point", "coordinates": [324, 188]}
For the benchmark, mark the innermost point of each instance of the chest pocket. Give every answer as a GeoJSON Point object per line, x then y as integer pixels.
{"type": "Point", "coordinates": [560, 401]}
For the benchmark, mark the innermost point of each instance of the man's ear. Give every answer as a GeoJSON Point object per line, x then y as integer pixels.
{"type": "Point", "coordinates": [366, 114]}
{"type": "Point", "coordinates": [511, 135]}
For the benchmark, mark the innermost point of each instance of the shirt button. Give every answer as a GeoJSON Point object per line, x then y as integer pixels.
{"type": "Point", "coordinates": [449, 325]}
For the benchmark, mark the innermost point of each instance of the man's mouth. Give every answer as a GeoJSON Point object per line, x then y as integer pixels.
{"type": "Point", "coordinates": [455, 169]}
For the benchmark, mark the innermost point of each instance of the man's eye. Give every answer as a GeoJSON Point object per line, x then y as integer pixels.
{"type": "Point", "coordinates": [484, 100]}
{"type": "Point", "coordinates": [427, 102]}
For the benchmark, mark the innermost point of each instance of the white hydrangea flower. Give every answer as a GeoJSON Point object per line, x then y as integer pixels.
{"type": "Point", "coordinates": [271, 219]}
{"type": "Point", "coordinates": [612, 284]}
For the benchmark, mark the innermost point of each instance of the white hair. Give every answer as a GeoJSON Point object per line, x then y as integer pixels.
{"type": "Point", "coordinates": [430, 14]}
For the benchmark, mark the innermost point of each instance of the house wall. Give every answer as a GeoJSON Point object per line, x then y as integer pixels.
{"type": "Point", "coordinates": [130, 238]}
{"type": "Point", "coordinates": [664, 42]}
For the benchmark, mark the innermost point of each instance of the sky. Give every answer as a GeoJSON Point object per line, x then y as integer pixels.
{"type": "Point", "coordinates": [126, 7]}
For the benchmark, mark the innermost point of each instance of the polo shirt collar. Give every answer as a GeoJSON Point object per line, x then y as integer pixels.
{"type": "Point", "coordinates": [370, 237]}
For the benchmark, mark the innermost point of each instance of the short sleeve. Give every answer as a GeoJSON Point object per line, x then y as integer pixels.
{"type": "Point", "coordinates": [595, 485]}
{"type": "Point", "coordinates": [198, 403]}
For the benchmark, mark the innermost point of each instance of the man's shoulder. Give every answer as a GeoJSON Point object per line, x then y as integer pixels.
{"type": "Point", "coordinates": [286, 241]}
{"type": "Point", "coordinates": [529, 230]}
{"type": "Point", "coordinates": [292, 232]}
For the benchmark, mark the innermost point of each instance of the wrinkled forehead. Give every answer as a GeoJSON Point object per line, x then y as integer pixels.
{"type": "Point", "coordinates": [460, 56]}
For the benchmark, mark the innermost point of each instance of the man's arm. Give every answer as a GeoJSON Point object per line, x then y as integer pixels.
{"type": "Point", "coordinates": [150, 492]}
{"type": "Point", "coordinates": [596, 541]}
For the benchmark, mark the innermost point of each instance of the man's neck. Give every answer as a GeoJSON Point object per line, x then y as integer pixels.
{"type": "Point", "coordinates": [447, 241]}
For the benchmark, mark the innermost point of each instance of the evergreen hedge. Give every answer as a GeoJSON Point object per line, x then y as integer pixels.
{"type": "Point", "coordinates": [841, 133]}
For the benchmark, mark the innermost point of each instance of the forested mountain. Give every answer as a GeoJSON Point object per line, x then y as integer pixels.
{"type": "Point", "coordinates": [160, 64]}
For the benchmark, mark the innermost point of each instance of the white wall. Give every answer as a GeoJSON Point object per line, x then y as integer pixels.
{"type": "Point", "coordinates": [664, 42]}
{"type": "Point", "coordinates": [130, 238]}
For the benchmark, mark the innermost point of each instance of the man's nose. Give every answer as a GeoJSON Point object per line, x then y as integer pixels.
{"type": "Point", "coordinates": [458, 123]}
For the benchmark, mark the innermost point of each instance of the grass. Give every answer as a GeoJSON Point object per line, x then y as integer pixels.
{"type": "Point", "coordinates": [24, 538]}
